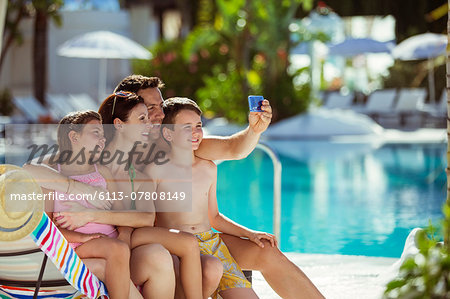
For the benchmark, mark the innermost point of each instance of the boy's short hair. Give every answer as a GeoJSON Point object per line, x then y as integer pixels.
{"type": "Point", "coordinates": [134, 83]}
{"type": "Point", "coordinates": [173, 106]}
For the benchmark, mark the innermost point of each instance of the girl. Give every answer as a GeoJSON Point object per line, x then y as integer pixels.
{"type": "Point", "coordinates": [96, 244]}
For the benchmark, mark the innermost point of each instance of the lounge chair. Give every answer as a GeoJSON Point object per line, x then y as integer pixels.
{"type": "Point", "coordinates": [32, 109]}
{"type": "Point", "coordinates": [337, 100]}
{"type": "Point", "coordinates": [83, 101]}
{"type": "Point", "coordinates": [27, 240]}
{"type": "Point", "coordinates": [409, 104]}
{"type": "Point", "coordinates": [59, 103]}
{"type": "Point", "coordinates": [379, 102]}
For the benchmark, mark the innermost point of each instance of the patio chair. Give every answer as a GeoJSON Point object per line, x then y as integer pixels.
{"type": "Point", "coordinates": [32, 109]}
{"type": "Point", "coordinates": [59, 103]}
{"type": "Point", "coordinates": [83, 101]}
{"type": "Point", "coordinates": [338, 100]}
{"type": "Point", "coordinates": [409, 105]}
{"type": "Point", "coordinates": [27, 240]}
{"type": "Point", "coordinates": [379, 102]}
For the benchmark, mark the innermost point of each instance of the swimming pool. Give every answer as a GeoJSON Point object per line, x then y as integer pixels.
{"type": "Point", "coordinates": [356, 200]}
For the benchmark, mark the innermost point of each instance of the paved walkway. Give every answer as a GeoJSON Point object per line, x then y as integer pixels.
{"type": "Point", "coordinates": [337, 276]}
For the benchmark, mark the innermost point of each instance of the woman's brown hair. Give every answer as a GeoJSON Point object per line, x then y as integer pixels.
{"type": "Point", "coordinates": [117, 105]}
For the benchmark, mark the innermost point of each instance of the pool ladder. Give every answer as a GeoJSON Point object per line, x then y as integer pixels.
{"type": "Point", "coordinates": [276, 195]}
{"type": "Point", "coordinates": [276, 188]}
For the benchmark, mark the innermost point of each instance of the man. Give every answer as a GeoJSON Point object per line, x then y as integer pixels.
{"type": "Point", "coordinates": [234, 147]}
{"type": "Point", "coordinates": [287, 280]}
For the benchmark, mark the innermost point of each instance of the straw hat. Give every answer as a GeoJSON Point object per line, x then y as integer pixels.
{"type": "Point", "coordinates": [18, 218]}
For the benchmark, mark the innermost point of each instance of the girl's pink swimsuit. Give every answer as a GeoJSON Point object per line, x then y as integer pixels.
{"type": "Point", "coordinates": [93, 179]}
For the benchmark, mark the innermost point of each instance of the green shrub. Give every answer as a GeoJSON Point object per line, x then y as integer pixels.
{"type": "Point", "coordinates": [427, 274]}
{"type": "Point", "coordinates": [222, 95]}
{"type": "Point", "coordinates": [182, 76]}
{"type": "Point", "coordinates": [240, 49]}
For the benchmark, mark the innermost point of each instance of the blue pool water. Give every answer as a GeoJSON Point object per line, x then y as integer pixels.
{"type": "Point", "coordinates": [352, 201]}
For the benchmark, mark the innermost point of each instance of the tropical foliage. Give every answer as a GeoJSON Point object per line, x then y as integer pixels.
{"type": "Point", "coordinates": [237, 48]}
{"type": "Point", "coordinates": [426, 274]}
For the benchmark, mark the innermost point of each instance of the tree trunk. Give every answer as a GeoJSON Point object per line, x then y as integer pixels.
{"type": "Point", "coordinates": [11, 32]}
{"type": "Point", "coordinates": [3, 8]}
{"type": "Point", "coordinates": [447, 170]}
{"type": "Point", "coordinates": [40, 55]}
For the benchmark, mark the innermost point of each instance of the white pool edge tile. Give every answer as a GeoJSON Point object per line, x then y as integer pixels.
{"type": "Point", "coordinates": [338, 276]}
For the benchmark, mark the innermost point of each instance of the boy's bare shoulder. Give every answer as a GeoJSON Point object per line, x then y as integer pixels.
{"type": "Point", "coordinates": [142, 179]}
{"type": "Point", "coordinates": [153, 170]}
{"type": "Point", "coordinates": [207, 165]}
{"type": "Point", "coordinates": [141, 175]}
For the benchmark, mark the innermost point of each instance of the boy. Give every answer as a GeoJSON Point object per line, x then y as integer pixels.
{"type": "Point", "coordinates": [184, 137]}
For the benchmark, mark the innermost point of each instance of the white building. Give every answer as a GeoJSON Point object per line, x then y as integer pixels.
{"type": "Point", "coordinates": [75, 75]}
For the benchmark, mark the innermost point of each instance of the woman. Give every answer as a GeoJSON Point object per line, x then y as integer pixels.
{"type": "Point", "coordinates": [126, 121]}
{"type": "Point", "coordinates": [125, 117]}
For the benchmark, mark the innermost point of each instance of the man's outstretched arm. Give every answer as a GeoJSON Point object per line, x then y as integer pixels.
{"type": "Point", "coordinates": [239, 145]}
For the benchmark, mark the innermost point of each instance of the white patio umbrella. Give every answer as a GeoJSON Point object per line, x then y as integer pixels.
{"type": "Point", "coordinates": [103, 45]}
{"type": "Point", "coordinates": [423, 46]}
{"type": "Point", "coordinates": [351, 47]}
{"type": "Point", "coordinates": [357, 46]}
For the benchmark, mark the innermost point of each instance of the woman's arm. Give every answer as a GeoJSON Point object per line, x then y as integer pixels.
{"type": "Point", "coordinates": [70, 235]}
{"type": "Point", "coordinates": [143, 216]}
{"type": "Point", "coordinates": [239, 145]}
{"type": "Point", "coordinates": [125, 234]}
{"type": "Point", "coordinates": [49, 178]}
{"type": "Point", "coordinates": [146, 187]}
{"type": "Point", "coordinates": [119, 216]}
{"type": "Point", "coordinates": [76, 237]}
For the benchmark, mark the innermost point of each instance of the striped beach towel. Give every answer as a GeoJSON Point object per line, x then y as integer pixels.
{"type": "Point", "coordinates": [50, 240]}
{"type": "Point", "coordinates": [7, 292]}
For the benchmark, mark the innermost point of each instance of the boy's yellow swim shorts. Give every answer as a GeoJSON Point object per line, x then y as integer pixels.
{"type": "Point", "coordinates": [211, 243]}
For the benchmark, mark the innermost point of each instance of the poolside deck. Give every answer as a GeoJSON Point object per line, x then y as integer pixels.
{"type": "Point", "coordinates": [337, 276]}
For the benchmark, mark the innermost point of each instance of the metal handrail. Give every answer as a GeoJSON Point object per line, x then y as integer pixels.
{"type": "Point", "coordinates": [276, 188]}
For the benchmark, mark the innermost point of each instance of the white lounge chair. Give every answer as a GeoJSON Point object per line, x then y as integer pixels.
{"type": "Point", "coordinates": [31, 108]}
{"type": "Point", "coordinates": [379, 102]}
{"type": "Point", "coordinates": [83, 101]}
{"type": "Point", "coordinates": [338, 100]}
{"type": "Point", "coordinates": [59, 103]}
{"type": "Point", "coordinates": [409, 105]}
{"type": "Point", "coordinates": [410, 100]}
